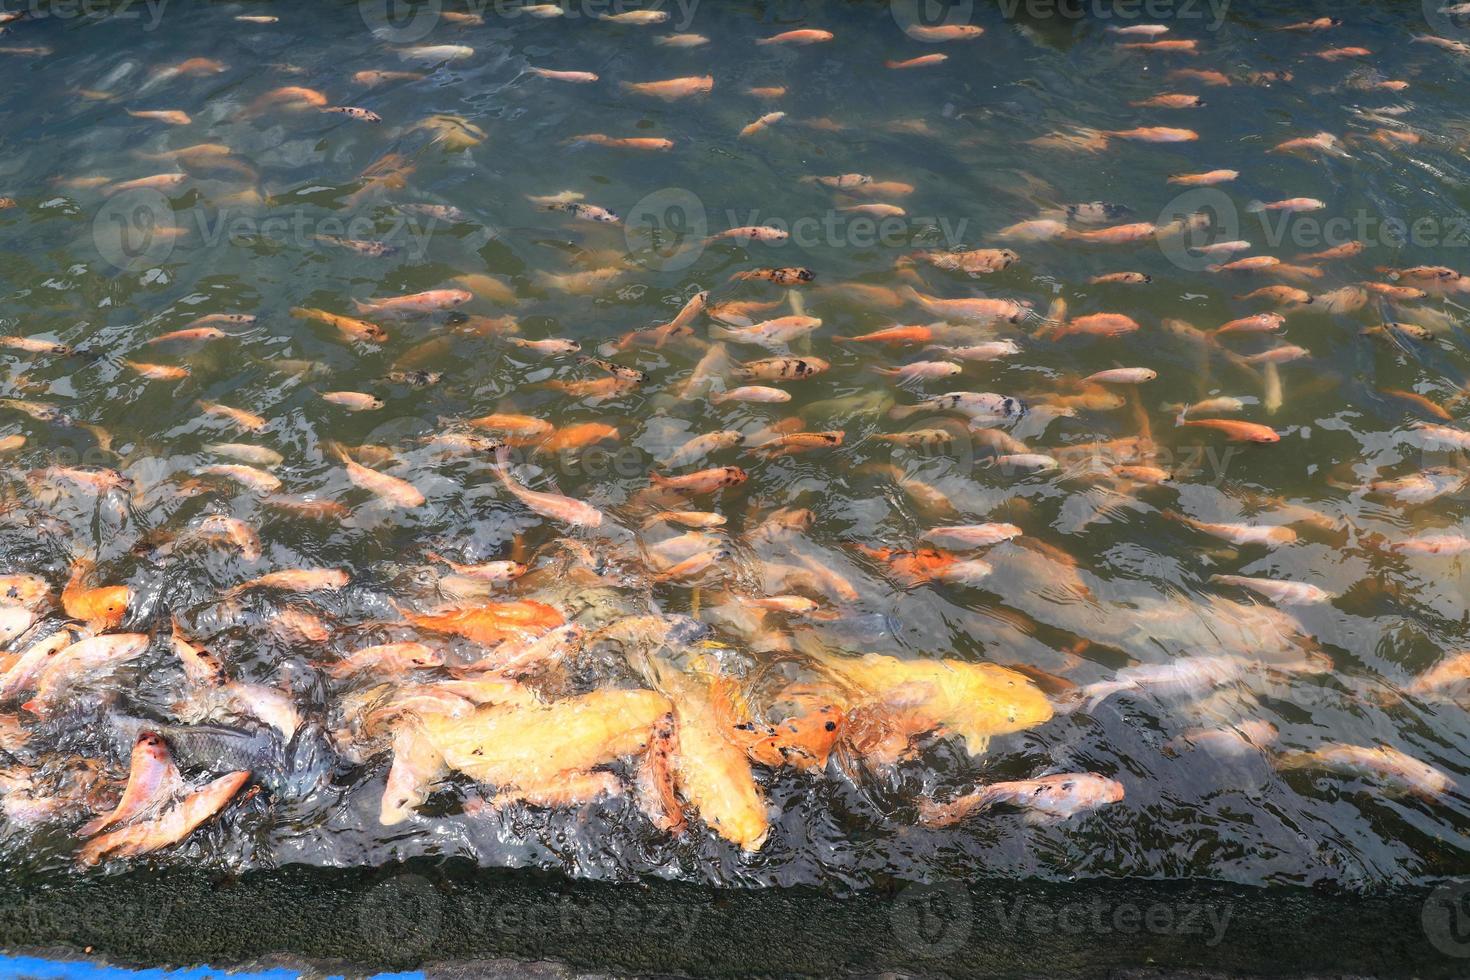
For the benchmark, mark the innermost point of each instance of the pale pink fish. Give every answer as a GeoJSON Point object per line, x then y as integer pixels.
{"type": "Point", "coordinates": [1381, 762]}
{"type": "Point", "coordinates": [1023, 462]}
{"type": "Point", "coordinates": [1291, 205]}
{"type": "Point", "coordinates": [14, 621]}
{"type": "Point", "coordinates": [1277, 590]}
{"type": "Point", "coordinates": [1256, 323]}
{"type": "Point", "coordinates": [553, 505]}
{"type": "Point", "coordinates": [780, 331]}
{"type": "Point", "coordinates": [1434, 544]}
{"type": "Point", "coordinates": [387, 658]}
{"type": "Point", "coordinates": [701, 446]}
{"type": "Point", "coordinates": [751, 393]}
{"type": "Point", "coordinates": [970, 535]}
{"type": "Point", "coordinates": [1210, 406]}
{"type": "Point", "coordinates": [1039, 230]}
{"type": "Point", "coordinates": [1239, 533]}
{"type": "Point", "coordinates": [1184, 677]}
{"type": "Point", "coordinates": [966, 572]}
{"type": "Point", "coordinates": [170, 827]}
{"type": "Point", "coordinates": [81, 659]}
{"type": "Point", "coordinates": [430, 301]}
{"type": "Point", "coordinates": [22, 672]}
{"type": "Point", "coordinates": [1444, 435]}
{"type": "Point", "coordinates": [1452, 671]}
{"type": "Point", "coordinates": [1244, 740]}
{"type": "Point", "coordinates": [249, 476]}
{"type": "Point", "coordinates": [1419, 488]}
{"type": "Point", "coordinates": [1279, 355]}
{"type": "Point", "coordinates": [977, 309]}
{"type": "Point", "coordinates": [992, 350]}
{"type": "Point", "coordinates": [490, 571]}
{"type": "Point", "coordinates": [1223, 248]}
{"type": "Point", "coordinates": [153, 782]}
{"type": "Point", "coordinates": [353, 401]}
{"type": "Point", "coordinates": [1122, 376]}
{"type": "Point", "coordinates": [1049, 799]}
{"type": "Point", "coordinates": [575, 77]}
{"type": "Point", "coordinates": [390, 489]}
{"type": "Point", "coordinates": [753, 233]}
{"type": "Point", "coordinates": [921, 370]}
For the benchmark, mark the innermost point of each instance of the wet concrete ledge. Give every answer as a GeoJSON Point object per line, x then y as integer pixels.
{"type": "Point", "coordinates": [455, 920]}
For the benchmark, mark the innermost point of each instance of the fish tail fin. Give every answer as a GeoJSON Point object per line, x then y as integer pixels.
{"type": "Point", "coordinates": [935, 814]}
{"type": "Point", "coordinates": [659, 480]}
{"type": "Point", "coordinates": [718, 332]}
{"type": "Point", "coordinates": [502, 461]}
{"type": "Point", "coordinates": [1255, 207]}
{"type": "Point", "coordinates": [1095, 694]}
{"type": "Point", "coordinates": [904, 411]}
{"type": "Point", "coordinates": [364, 308]}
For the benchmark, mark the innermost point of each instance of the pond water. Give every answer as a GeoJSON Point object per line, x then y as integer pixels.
{"type": "Point", "coordinates": [179, 167]}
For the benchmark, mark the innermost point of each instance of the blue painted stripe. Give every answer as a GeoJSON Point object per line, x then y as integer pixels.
{"type": "Point", "coordinates": [36, 968]}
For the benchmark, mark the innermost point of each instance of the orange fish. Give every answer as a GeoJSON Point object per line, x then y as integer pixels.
{"type": "Point", "coordinates": [578, 437]}
{"type": "Point", "coordinates": [922, 61]}
{"type": "Point", "coordinates": [1236, 430]}
{"type": "Point", "coordinates": [172, 826]}
{"type": "Point", "coordinates": [102, 608]}
{"type": "Point", "coordinates": [914, 334]}
{"type": "Point", "coordinates": [673, 88]}
{"type": "Point", "coordinates": [1093, 325]}
{"type": "Point", "coordinates": [491, 623]}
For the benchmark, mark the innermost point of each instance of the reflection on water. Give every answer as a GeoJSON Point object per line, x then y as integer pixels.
{"type": "Point", "coordinates": [529, 433]}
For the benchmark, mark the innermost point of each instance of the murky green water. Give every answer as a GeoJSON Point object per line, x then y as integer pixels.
{"type": "Point", "coordinates": [1102, 578]}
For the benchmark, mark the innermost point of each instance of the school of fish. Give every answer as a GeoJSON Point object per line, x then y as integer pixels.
{"type": "Point", "coordinates": [620, 575]}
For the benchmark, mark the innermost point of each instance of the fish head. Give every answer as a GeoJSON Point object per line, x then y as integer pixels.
{"type": "Point", "coordinates": [151, 746]}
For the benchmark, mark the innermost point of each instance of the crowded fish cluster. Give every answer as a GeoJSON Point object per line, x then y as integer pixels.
{"type": "Point", "coordinates": [740, 541]}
